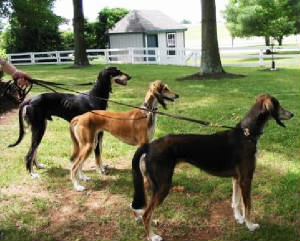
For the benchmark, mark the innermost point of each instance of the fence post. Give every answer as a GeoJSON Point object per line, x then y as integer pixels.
{"type": "Point", "coordinates": [106, 56]}
{"type": "Point", "coordinates": [261, 57]}
{"type": "Point", "coordinates": [158, 53]}
{"type": "Point", "coordinates": [9, 58]}
{"type": "Point", "coordinates": [195, 57]}
{"type": "Point", "coordinates": [58, 57]}
{"type": "Point", "coordinates": [32, 60]}
{"type": "Point", "coordinates": [131, 57]}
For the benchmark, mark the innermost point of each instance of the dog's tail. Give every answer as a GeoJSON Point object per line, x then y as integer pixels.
{"type": "Point", "coordinates": [139, 200]}
{"type": "Point", "coordinates": [22, 114]}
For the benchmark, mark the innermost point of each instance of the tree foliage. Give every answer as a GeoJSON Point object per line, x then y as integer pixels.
{"type": "Point", "coordinates": [107, 18]}
{"type": "Point", "coordinates": [268, 18]}
{"type": "Point", "coordinates": [33, 26]}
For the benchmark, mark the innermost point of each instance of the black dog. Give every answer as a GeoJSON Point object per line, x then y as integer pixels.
{"type": "Point", "coordinates": [39, 109]}
{"type": "Point", "coordinates": [228, 153]}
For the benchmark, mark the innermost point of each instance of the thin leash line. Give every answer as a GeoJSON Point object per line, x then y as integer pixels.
{"type": "Point", "coordinates": [180, 117]}
{"type": "Point", "coordinates": [117, 118]}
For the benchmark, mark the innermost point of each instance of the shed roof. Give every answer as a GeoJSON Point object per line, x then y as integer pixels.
{"type": "Point", "coordinates": [141, 21]}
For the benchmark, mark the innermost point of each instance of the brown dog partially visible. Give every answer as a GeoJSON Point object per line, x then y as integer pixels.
{"type": "Point", "coordinates": [134, 127]}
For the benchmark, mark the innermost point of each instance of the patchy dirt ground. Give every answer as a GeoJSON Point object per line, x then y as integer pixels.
{"type": "Point", "coordinates": [5, 118]}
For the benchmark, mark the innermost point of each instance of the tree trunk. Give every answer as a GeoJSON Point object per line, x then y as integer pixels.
{"type": "Point", "coordinates": [267, 40]}
{"type": "Point", "coordinates": [210, 56]}
{"type": "Point", "coordinates": [79, 43]}
{"type": "Point", "coordinates": [279, 40]}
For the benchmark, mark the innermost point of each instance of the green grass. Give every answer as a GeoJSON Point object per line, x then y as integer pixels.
{"type": "Point", "coordinates": [48, 208]}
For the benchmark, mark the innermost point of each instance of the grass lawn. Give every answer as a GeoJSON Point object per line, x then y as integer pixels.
{"type": "Point", "coordinates": [48, 209]}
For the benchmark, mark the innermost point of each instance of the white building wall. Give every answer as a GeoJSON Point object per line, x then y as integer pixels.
{"type": "Point", "coordinates": [179, 39]}
{"type": "Point", "coordinates": [126, 40]}
{"type": "Point", "coordinates": [162, 40]}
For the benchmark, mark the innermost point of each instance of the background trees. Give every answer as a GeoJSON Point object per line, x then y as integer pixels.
{"type": "Point", "coordinates": [267, 18]}
{"type": "Point", "coordinates": [33, 26]}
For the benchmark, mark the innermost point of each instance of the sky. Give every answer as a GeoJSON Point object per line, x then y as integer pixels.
{"type": "Point", "coordinates": [176, 9]}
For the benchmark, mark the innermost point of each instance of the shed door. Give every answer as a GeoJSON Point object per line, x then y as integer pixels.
{"type": "Point", "coordinates": [152, 42]}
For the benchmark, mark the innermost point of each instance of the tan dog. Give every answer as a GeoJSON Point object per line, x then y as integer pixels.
{"type": "Point", "coordinates": [134, 127]}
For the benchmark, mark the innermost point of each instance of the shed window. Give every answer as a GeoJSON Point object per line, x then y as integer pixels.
{"type": "Point", "coordinates": [171, 43]}
{"type": "Point", "coordinates": [171, 40]}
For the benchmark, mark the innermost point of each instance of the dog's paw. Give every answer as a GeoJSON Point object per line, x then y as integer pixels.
{"type": "Point", "coordinates": [139, 219]}
{"type": "Point", "coordinates": [41, 166]}
{"type": "Point", "coordinates": [35, 175]}
{"type": "Point", "coordinates": [79, 188]}
{"type": "Point", "coordinates": [239, 218]}
{"type": "Point", "coordinates": [103, 170]}
{"type": "Point", "coordinates": [252, 226]}
{"type": "Point", "coordinates": [156, 237]}
{"type": "Point", "coordinates": [85, 178]}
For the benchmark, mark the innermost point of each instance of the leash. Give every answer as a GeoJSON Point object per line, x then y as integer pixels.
{"type": "Point", "coordinates": [179, 117]}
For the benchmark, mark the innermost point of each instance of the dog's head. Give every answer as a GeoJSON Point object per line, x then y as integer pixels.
{"type": "Point", "coordinates": [271, 106]}
{"type": "Point", "coordinates": [114, 75]}
{"type": "Point", "coordinates": [162, 92]}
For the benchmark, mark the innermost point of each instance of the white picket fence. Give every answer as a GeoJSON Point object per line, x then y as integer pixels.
{"type": "Point", "coordinates": [243, 56]}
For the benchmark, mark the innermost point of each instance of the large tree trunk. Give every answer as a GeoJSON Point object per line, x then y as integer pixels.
{"type": "Point", "coordinates": [210, 56]}
{"type": "Point", "coordinates": [267, 40]}
{"type": "Point", "coordinates": [79, 43]}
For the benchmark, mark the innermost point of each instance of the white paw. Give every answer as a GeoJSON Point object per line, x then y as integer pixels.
{"type": "Point", "coordinates": [85, 178]}
{"type": "Point", "coordinates": [156, 237]}
{"type": "Point", "coordinates": [103, 170]}
{"type": "Point", "coordinates": [35, 175]}
{"type": "Point", "coordinates": [41, 166]}
{"type": "Point", "coordinates": [139, 219]}
{"type": "Point", "coordinates": [79, 188]}
{"type": "Point", "coordinates": [252, 226]}
{"type": "Point", "coordinates": [138, 213]}
{"type": "Point", "coordinates": [239, 218]}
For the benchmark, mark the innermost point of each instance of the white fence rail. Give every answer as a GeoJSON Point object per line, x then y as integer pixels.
{"type": "Point", "coordinates": [243, 56]}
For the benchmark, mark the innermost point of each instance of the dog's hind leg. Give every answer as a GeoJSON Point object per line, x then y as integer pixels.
{"type": "Point", "coordinates": [236, 201]}
{"type": "Point", "coordinates": [156, 199]}
{"type": "Point", "coordinates": [102, 169]}
{"type": "Point", "coordinates": [77, 165]}
{"type": "Point", "coordinates": [76, 149]}
{"type": "Point", "coordinates": [35, 161]}
{"type": "Point", "coordinates": [38, 131]}
{"type": "Point", "coordinates": [81, 175]}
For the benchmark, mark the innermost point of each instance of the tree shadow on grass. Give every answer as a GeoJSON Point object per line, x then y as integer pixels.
{"type": "Point", "coordinates": [198, 76]}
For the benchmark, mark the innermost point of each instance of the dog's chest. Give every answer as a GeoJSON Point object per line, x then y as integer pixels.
{"type": "Point", "coordinates": [151, 125]}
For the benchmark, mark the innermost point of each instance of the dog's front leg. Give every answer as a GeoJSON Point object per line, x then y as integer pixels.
{"type": "Point", "coordinates": [236, 201]}
{"type": "Point", "coordinates": [102, 169]}
{"type": "Point", "coordinates": [246, 197]}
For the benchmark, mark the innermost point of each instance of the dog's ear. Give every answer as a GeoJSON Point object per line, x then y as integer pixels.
{"type": "Point", "coordinates": [160, 100]}
{"type": "Point", "coordinates": [270, 105]}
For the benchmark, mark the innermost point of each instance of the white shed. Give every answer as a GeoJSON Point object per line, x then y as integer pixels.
{"type": "Point", "coordinates": [147, 29]}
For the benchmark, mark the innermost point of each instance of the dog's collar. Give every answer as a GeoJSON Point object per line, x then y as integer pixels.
{"type": "Point", "coordinates": [249, 134]}
{"type": "Point", "coordinates": [150, 108]}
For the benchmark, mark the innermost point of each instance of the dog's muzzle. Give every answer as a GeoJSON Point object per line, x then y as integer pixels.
{"type": "Point", "coordinates": [122, 79]}
{"type": "Point", "coordinates": [171, 99]}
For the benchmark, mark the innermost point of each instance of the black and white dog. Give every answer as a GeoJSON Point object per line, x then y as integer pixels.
{"type": "Point", "coordinates": [41, 108]}
{"type": "Point", "coordinates": [228, 153]}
